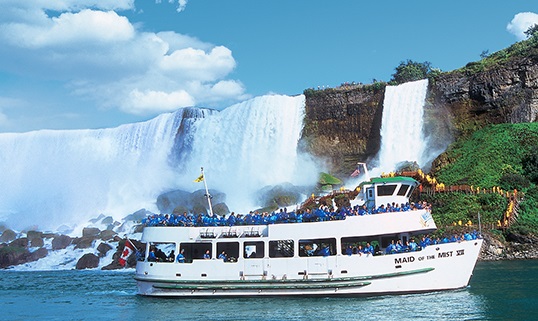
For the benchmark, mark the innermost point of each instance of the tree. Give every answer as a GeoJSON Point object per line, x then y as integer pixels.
{"type": "Point", "coordinates": [533, 30]}
{"type": "Point", "coordinates": [410, 71]}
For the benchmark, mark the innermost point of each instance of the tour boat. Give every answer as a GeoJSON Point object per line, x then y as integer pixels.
{"type": "Point", "coordinates": [320, 257]}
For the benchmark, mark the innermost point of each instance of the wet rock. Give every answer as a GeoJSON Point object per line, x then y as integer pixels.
{"type": "Point", "coordinates": [38, 254]}
{"type": "Point", "coordinates": [21, 242]}
{"type": "Point", "coordinates": [88, 261]}
{"type": "Point", "coordinates": [8, 236]}
{"type": "Point", "coordinates": [36, 242]}
{"type": "Point", "coordinates": [107, 235]}
{"type": "Point", "coordinates": [103, 249]}
{"type": "Point", "coordinates": [61, 242]}
{"type": "Point", "coordinates": [90, 231]}
{"type": "Point", "coordinates": [83, 242]}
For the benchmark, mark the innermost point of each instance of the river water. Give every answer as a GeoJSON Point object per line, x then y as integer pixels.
{"type": "Point", "coordinates": [498, 291]}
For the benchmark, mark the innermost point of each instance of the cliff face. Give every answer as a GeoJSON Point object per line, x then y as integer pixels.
{"type": "Point", "coordinates": [342, 125]}
{"type": "Point", "coordinates": [507, 94]}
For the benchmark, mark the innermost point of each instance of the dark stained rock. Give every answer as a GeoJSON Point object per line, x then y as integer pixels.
{"type": "Point", "coordinates": [90, 231]}
{"type": "Point", "coordinates": [103, 249]}
{"type": "Point", "coordinates": [83, 242]}
{"type": "Point", "coordinates": [88, 261]}
{"type": "Point", "coordinates": [61, 242]}
{"type": "Point", "coordinates": [34, 234]}
{"type": "Point", "coordinates": [107, 235]}
{"type": "Point", "coordinates": [21, 242]}
{"type": "Point", "coordinates": [12, 255]}
{"type": "Point", "coordinates": [38, 254]}
{"type": "Point", "coordinates": [8, 236]}
{"type": "Point", "coordinates": [36, 242]}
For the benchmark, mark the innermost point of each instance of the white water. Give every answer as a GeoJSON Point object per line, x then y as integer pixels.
{"type": "Point", "coordinates": [66, 177]}
{"type": "Point", "coordinates": [402, 136]}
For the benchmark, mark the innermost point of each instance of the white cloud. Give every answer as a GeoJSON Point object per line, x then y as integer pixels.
{"type": "Point", "coordinates": [197, 64]}
{"type": "Point", "coordinates": [521, 23]}
{"type": "Point", "coordinates": [181, 4]}
{"type": "Point", "coordinates": [70, 29]}
{"type": "Point", "coordinates": [150, 101]}
{"type": "Point", "coordinates": [100, 56]}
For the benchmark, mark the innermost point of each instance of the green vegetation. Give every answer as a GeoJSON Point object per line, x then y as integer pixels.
{"type": "Point", "coordinates": [502, 156]}
{"type": "Point", "coordinates": [410, 71]}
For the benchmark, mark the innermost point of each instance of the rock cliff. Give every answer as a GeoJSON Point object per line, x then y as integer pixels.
{"type": "Point", "coordinates": [342, 125]}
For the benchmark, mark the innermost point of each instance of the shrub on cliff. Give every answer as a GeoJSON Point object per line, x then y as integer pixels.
{"type": "Point", "coordinates": [410, 71]}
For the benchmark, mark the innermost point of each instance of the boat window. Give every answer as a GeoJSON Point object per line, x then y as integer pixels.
{"type": "Point", "coordinates": [358, 244]}
{"type": "Point", "coordinates": [281, 248]}
{"type": "Point", "coordinates": [253, 250]}
{"type": "Point", "coordinates": [161, 252]}
{"type": "Point", "coordinates": [229, 249]}
{"type": "Point", "coordinates": [385, 190]}
{"type": "Point", "coordinates": [317, 247]}
{"type": "Point", "coordinates": [403, 189]}
{"type": "Point", "coordinates": [410, 191]}
{"type": "Point", "coordinates": [195, 251]}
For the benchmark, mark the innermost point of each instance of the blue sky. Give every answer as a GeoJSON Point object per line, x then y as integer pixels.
{"type": "Point", "coordinates": [100, 63]}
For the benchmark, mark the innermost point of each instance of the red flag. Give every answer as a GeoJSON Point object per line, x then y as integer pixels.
{"type": "Point", "coordinates": [127, 251]}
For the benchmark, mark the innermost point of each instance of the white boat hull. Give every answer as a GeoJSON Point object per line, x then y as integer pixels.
{"type": "Point", "coordinates": [437, 267]}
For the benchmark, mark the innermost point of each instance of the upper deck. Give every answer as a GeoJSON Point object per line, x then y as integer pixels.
{"type": "Point", "coordinates": [417, 221]}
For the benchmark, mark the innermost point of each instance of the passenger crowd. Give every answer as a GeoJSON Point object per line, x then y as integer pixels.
{"type": "Point", "coordinates": [411, 245]}
{"type": "Point", "coordinates": [323, 213]}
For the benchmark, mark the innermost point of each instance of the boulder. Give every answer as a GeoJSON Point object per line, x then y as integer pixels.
{"type": "Point", "coordinates": [90, 231]}
{"type": "Point", "coordinates": [107, 235]}
{"type": "Point", "coordinates": [36, 242]}
{"type": "Point", "coordinates": [83, 242]}
{"type": "Point", "coordinates": [88, 261]}
{"type": "Point", "coordinates": [21, 242]}
{"type": "Point", "coordinates": [61, 242]}
{"type": "Point", "coordinates": [38, 254]}
{"type": "Point", "coordinates": [8, 236]}
{"type": "Point", "coordinates": [12, 255]}
{"type": "Point", "coordinates": [34, 234]}
{"type": "Point", "coordinates": [103, 249]}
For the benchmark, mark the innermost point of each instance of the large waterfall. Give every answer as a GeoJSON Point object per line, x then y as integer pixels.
{"type": "Point", "coordinates": [65, 177]}
{"type": "Point", "coordinates": [402, 135]}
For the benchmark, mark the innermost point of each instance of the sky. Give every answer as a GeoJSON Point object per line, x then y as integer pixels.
{"type": "Point", "coordinates": [70, 64]}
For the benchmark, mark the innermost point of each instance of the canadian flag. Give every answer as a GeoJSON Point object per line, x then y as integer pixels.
{"type": "Point", "coordinates": [127, 251]}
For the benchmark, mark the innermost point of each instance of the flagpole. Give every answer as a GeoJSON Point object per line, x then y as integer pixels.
{"type": "Point", "coordinates": [131, 243]}
{"type": "Point", "coordinates": [207, 193]}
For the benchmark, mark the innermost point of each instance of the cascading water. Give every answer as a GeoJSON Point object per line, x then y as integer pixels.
{"type": "Point", "coordinates": [402, 136]}
{"type": "Point", "coordinates": [52, 178]}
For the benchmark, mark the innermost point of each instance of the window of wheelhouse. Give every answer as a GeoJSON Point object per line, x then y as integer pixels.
{"type": "Point", "coordinates": [161, 252]}
{"type": "Point", "coordinates": [317, 247]}
{"type": "Point", "coordinates": [385, 190]}
{"type": "Point", "coordinates": [403, 190]}
{"type": "Point", "coordinates": [253, 250]}
{"type": "Point", "coordinates": [281, 248]}
{"type": "Point", "coordinates": [195, 251]}
{"type": "Point", "coordinates": [227, 251]}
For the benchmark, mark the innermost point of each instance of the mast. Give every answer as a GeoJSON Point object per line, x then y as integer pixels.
{"type": "Point", "coordinates": [207, 193]}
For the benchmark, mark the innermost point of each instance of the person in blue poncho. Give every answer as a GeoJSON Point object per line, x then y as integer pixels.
{"type": "Point", "coordinates": [181, 256]}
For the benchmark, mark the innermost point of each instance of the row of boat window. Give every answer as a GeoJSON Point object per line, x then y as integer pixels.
{"type": "Point", "coordinates": [231, 251]}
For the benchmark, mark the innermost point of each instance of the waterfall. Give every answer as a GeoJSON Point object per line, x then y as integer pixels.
{"type": "Point", "coordinates": [66, 177]}
{"type": "Point", "coordinates": [402, 136]}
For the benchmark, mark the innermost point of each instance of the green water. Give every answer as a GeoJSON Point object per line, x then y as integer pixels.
{"type": "Point", "coordinates": [498, 291]}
